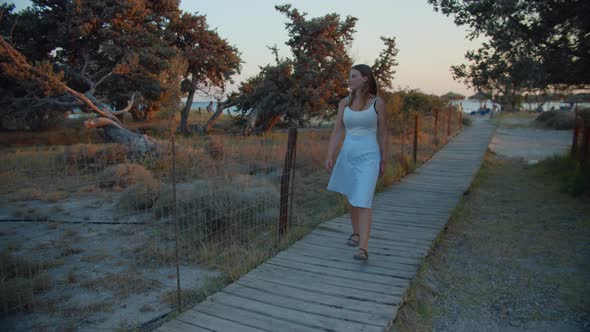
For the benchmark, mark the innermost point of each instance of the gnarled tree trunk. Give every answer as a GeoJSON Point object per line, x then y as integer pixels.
{"type": "Point", "coordinates": [137, 143]}
{"type": "Point", "coordinates": [216, 114]}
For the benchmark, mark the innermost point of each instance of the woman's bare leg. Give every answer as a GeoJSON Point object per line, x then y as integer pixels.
{"type": "Point", "coordinates": [364, 224]}
{"type": "Point", "coordinates": [354, 219]}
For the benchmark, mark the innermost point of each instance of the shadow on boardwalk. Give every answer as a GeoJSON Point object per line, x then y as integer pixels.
{"type": "Point", "coordinates": [316, 285]}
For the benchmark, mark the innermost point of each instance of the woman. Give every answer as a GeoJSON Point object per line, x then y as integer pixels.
{"type": "Point", "coordinates": [362, 120]}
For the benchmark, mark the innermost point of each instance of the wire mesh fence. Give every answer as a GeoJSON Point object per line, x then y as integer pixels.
{"type": "Point", "coordinates": [94, 236]}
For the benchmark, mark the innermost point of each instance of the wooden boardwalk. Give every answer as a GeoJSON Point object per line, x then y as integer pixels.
{"type": "Point", "coordinates": [316, 285]}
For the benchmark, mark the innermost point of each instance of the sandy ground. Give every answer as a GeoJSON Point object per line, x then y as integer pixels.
{"type": "Point", "coordinates": [514, 256]}
{"type": "Point", "coordinates": [101, 275]}
{"type": "Point", "coordinates": [530, 144]}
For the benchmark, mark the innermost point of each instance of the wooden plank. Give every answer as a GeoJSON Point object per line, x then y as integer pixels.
{"type": "Point", "coordinates": [399, 236]}
{"type": "Point", "coordinates": [318, 250]}
{"type": "Point", "coordinates": [349, 264]}
{"type": "Point", "coordinates": [258, 321]}
{"type": "Point", "coordinates": [380, 224]}
{"type": "Point", "coordinates": [341, 236]}
{"type": "Point", "coordinates": [327, 310]}
{"type": "Point", "coordinates": [211, 322]}
{"type": "Point", "coordinates": [406, 245]}
{"type": "Point", "coordinates": [339, 300]}
{"type": "Point", "coordinates": [294, 316]}
{"type": "Point", "coordinates": [176, 325]}
{"type": "Point", "coordinates": [360, 275]}
{"type": "Point", "coordinates": [377, 259]}
{"type": "Point", "coordinates": [326, 284]}
{"type": "Point", "coordinates": [396, 251]}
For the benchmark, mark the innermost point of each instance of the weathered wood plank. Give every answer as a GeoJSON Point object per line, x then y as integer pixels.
{"type": "Point", "coordinates": [236, 314]}
{"type": "Point", "coordinates": [373, 267]}
{"type": "Point", "coordinates": [339, 300]}
{"type": "Point", "coordinates": [327, 284]}
{"type": "Point", "coordinates": [285, 314]}
{"type": "Point", "coordinates": [180, 326]}
{"type": "Point", "coordinates": [212, 323]}
{"type": "Point", "coordinates": [359, 274]}
{"type": "Point", "coordinates": [308, 305]}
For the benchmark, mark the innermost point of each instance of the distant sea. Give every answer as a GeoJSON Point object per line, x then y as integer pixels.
{"type": "Point", "coordinates": [468, 106]}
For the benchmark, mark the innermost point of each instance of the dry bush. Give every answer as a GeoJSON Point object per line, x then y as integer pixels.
{"type": "Point", "coordinates": [123, 175]}
{"type": "Point", "coordinates": [216, 211]}
{"type": "Point", "coordinates": [557, 119]}
{"type": "Point", "coordinates": [214, 147]}
{"type": "Point", "coordinates": [140, 196]}
{"type": "Point", "coordinates": [22, 279]}
{"type": "Point", "coordinates": [82, 155]}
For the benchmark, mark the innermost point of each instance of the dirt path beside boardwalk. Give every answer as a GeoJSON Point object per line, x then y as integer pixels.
{"type": "Point", "coordinates": [514, 256]}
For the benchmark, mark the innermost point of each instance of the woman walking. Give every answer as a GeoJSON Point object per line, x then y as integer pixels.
{"type": "Point", "coordinates": [362, 120]}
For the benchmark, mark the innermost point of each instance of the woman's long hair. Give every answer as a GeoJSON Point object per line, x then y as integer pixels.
{"type": "Point", "coordinates": [369, 87]}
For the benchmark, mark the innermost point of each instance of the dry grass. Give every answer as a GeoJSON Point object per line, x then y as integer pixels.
{"type": "Point", "coordinates": [528, 255]}
{"type": "Point", "coordinates": [123, 283]}
{"type": "Point", "coordinates": [23, 279]}
{"type": "Point", "coordinates": [227, 199]}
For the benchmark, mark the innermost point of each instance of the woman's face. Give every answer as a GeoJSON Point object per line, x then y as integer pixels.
{"type": "Point", "coordinates": [355, 80]}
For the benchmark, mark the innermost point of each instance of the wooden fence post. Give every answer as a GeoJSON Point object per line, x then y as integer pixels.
{"type": "Point", "coordinates": [435, 126]}
{"type": "Point", "coordinates": [576, 133]}
{"type": "Point", "coordinates": [449, 123]}
{"type": "Point", "coordinates": [416, 128]}
{"type": "Point", "coordinates": [585, 143]}
{"type": "Point", "coordinates": [285, 177]}
{"type": "Point", "coordinates": [176, 226]}
{"type": "Point", "coordinates": [401, 155]}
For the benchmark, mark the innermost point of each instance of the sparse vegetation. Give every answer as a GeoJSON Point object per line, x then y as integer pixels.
{"type": "Point", "coordinates": [560, 120]}
{"type": "Point", "coordinates": [528, 255]}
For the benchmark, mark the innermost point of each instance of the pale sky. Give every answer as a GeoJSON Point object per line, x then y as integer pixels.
{"type": "Point", "coordinates": [428, 42]}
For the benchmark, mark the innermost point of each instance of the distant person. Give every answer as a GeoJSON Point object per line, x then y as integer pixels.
{"type": "Point", "coordinates": [199, 109]}
{"type": "Point", "coordinates": [362, 121]}
{"type": "Point", "coordinates": [210, 107]}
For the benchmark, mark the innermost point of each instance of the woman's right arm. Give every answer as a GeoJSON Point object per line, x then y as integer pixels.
{"type": "Point", "coordinates": [336, 136]}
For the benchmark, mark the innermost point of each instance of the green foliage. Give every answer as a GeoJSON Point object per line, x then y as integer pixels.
{"type": "Point", "coordinates": [313, 81]}
{"type": "Point", "coordinates": [384, 64]}
{"type": "Point", "coordinates": [566, 173]}
{"type": "Point", "coordinates": [414, 100]}
{"type": "Point", "coordinates": [532, 45]}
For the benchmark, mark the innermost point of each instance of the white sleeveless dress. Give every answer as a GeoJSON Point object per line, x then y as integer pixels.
{"type": "Point", "coordinates": [356, 169]}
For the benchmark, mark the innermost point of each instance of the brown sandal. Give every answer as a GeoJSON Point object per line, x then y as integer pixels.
{"type": "Point", "coordinates": [361, 255]}
{"type": "Point", "coordinates": [352, 242]}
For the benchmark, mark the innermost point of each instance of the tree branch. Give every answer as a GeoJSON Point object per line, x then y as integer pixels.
{"type": "Point", "coordinates": [20, 60]}
{"type": "Point", "coordinates": [127, 108]}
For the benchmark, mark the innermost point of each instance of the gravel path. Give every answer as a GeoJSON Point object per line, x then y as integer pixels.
{"type": "Point", "coordinates": [514, 256]}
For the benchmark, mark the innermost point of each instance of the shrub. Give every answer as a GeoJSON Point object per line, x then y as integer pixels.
{"type": "Point", "coordinates": [123, 175]}
{"type": "Point", "coordinates": [557, 119]}
{"type": "Point", "coordinates": [214, 148]}
{"type": "Point", "coordinates": [140, 196]}
{"type": "Point", "coordinates": [216, 211]}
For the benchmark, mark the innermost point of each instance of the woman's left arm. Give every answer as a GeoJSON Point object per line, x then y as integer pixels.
{"type": "Point", "coordinates": [382, 133]}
